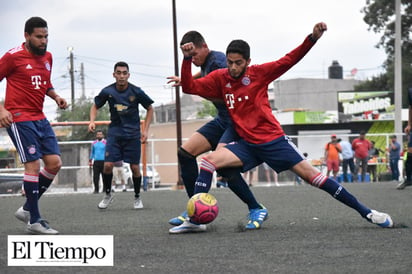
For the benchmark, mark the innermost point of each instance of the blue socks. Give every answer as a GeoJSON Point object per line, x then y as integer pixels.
{"type": "Point", "coordinates": [45, 179]}
{"type": "Point", "coordinates": [31, 187]}
{"type": "Point", "coordinates": [341, 194]}
{"type": "Point", "coordinates": [204, 180]}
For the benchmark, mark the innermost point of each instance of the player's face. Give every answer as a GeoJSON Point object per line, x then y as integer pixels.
{"type": "Point", "coordinates": [121, 74]}
{"type": "Point", "coordinates": [199, 55]}
{"type": "Point", "coordinates": [236, 64]}
{"type": "Point", "coordinates": [36, 42]}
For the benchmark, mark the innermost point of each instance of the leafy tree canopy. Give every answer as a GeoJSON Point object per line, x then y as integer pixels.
{"type": "Point", "coordinates": [380, 17]}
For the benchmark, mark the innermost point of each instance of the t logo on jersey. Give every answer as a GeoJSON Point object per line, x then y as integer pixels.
{"type": "Point", "coordinates": [230, 101]}
{"type": "Point", "coordinates": [36, 81]}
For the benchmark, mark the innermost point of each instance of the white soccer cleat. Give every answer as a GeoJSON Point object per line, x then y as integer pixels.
{"type": "Point", "coordinates": [187, 227]}
{"type": "Point", "coordinates": [107, 200]}
{"type": "Point", "coordinates": [41, 227]}
{"type": "Point", "coordinates": [22, 215]}
{"type": "Point", "coordinates": [138, 204]}
{"type": "Point", "coordinates": [379, 218]}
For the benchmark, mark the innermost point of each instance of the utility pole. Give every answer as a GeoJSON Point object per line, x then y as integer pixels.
{"type": "Point", "coordinates": [71, 71]}
{"type": "Point", "coordinates": [398, 71]}
{"type": "Point", "coordinates": [82, 81]}
{"type": "Point", "coordinates": [177, 92]}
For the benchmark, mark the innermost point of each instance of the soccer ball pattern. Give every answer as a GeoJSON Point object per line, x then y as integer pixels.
{"type": "Point", "coordinates": [202, 208]}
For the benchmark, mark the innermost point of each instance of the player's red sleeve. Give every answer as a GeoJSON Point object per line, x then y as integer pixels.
{"type": "Point", "coordinates": [206, 86]}
{"type": "Point", "coordinates": [6, 65]}
{"type": "Point", "coordinates": [275, 69]}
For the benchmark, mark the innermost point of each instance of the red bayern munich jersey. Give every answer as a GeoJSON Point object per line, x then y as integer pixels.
{"type": "Point", "coordinates": [28, 80]}
{"type": "Point", "coordinates": [246, 98]}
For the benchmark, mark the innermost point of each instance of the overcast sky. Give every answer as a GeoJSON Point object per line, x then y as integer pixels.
{"type": "Point", "coordinates": [140, 33]}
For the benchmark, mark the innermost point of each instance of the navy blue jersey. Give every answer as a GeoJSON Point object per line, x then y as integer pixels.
{"type": "Point", "coordinates": [124, 109]}
{"type": "Point", "coordinates": [216, 60]}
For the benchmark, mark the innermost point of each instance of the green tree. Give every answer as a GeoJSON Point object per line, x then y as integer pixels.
{"type": "Point", "coordinates": [380, 16]}
{"type": "Point", "coordinates": [81, 112]}
{"type": "Point", "coordinates": [208, 110]}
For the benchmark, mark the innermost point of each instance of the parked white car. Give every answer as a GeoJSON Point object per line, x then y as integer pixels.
{"type": "Point", "coordinates": [151, 173]}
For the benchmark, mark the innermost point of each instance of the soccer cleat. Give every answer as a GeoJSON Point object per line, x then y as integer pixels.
{"type": "Point", "coordinates": [379, 218]}
{"type": "Point", "coordinates": [187, 227]}
{"type": "Point", "coordinates": [179, 219]}
{"type": "Point", "coordinates": [41, 227]}
{"type": "Point", "coordinates": [107, 200]}
{"type": "Point", "coordinates": [257, 217]}
{"type": "Point", "coordinates": [22, 215]}
{"type": "Point", "coordinates": [404, 184]}
{"type": "Point", "coordinates": [137, 203]}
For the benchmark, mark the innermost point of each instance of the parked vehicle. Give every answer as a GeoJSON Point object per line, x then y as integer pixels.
{"type": "Point", "coordinates": [10, 183]}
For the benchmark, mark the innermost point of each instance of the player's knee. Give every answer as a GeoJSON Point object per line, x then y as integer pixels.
{"type": "Point", "coordinates": [55, 165]}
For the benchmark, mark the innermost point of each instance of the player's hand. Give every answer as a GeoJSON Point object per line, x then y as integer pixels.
{"type": "Point", "coordinates": [407, 129]}
{"type": "Point", "coordinates": [143, 137]}
{"type": "Point", "coordinates": [61, 102]}
{"type": "Point", "coordinates": [174, 79]}
{"type": "Point", "coordinates": [6, 118]}
{"type": "Point", "coordinates": [318, 30]}
{"type": "Point", "coordinates": [188, 49]}
{"type": "Point", "coordinates": [92, 127]}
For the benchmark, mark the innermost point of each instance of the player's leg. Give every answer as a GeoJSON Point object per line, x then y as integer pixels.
{"type": "Point", "coordinates": [131, 155]}
{"type": "Point", "coordinates": [187, 153]}
{"type": "Point", "coordinates": [51, 156]}
{"type": "Point", "coordinates": [204, 181]}
{"type": "Point", "coordinates": [317, 179]}
{"type": "Point", "coordinates": [25, 136]}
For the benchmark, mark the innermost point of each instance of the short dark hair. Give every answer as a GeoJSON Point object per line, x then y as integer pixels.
{"type": "Point", "coordinates": [121, 64]}
{"type": "Point", "coordinates": [239, 46]}
{"type": "Point", "coordinates": [34, 22]}
{"type": "Point", "coordinates": [193, 36]}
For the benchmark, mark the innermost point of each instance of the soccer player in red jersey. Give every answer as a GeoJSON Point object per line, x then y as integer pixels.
{"type": "Point", "coordinates": [244, 90]}
{"type": "Point", "coordinates": [27, 69]}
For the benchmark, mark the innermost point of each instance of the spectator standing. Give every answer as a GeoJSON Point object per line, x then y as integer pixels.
{"type": "Point", "coordinates": [347, 160]}
{"type": "Point", "coordinates": [332, 150]}
{"type": "Point", "coordinates": [394, 150]}
{"type": "Point", "coordinates": [96, 159]}
{"type": "Point", "coordinates": [373, 155]}
{"type": "Point", "coordinates": [361, 148]}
